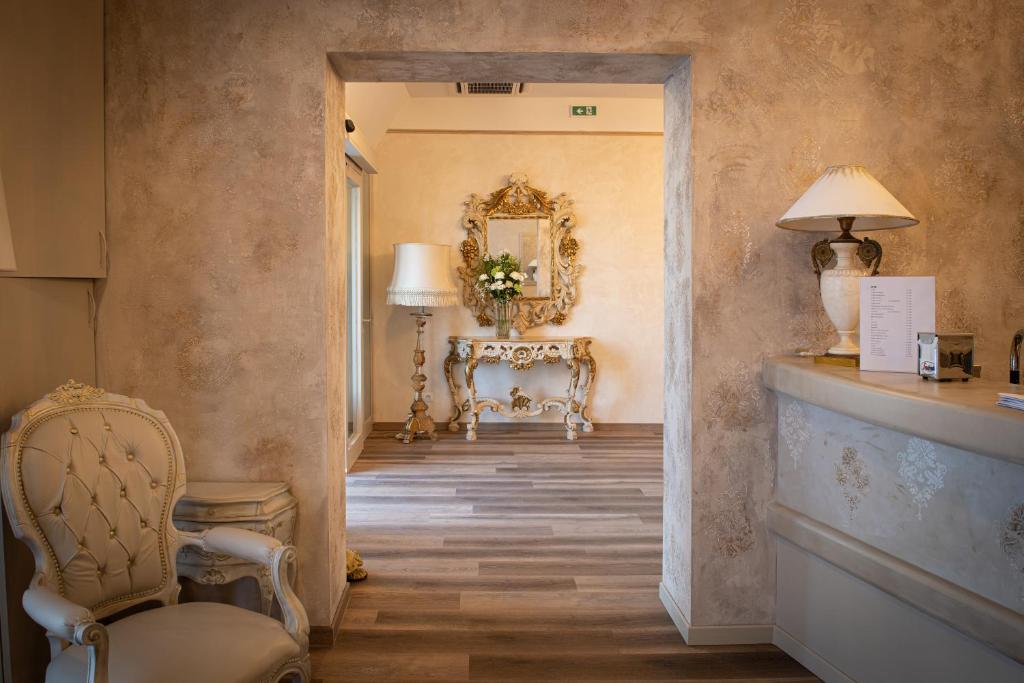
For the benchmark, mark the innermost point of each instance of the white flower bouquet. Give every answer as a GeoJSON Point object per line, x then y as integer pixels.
{"type": "Point", "coordinates": [501, 277]}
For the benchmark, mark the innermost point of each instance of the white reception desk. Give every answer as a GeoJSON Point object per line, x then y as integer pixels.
{"type": "Point", "coordinates": [899, 514]}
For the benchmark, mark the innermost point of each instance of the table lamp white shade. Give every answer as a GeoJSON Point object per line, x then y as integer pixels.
{"type": "Point", "coordinates": [6, 245]}
{"type": "Point", "coordinates": [846, 191]}
{"type": "Point", "coordinates": [423, 276]}
{"type": "Point", "coordinates": [843, 199]}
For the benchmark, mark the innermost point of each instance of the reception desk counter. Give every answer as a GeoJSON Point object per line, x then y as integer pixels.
{"type": "Point", "coordinates": [899, 514]}
{"type": "Point", "coordinates": [959, 414]}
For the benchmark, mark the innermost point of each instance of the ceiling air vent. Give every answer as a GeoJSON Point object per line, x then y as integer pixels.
{"type": "Point", "coordinates": [490, 88]}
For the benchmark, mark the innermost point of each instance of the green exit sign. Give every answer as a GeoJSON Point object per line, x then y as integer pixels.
{"type": "Point", "coordinates": [583, 110]}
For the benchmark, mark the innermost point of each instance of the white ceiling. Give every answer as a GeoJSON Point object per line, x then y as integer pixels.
{"type": "Point", "coordinates": [626, 90]}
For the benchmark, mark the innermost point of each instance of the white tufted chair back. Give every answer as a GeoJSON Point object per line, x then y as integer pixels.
{"type": "Point", "coordinates": [90, 481]}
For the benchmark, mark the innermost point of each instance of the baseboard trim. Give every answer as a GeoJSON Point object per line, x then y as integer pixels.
{"type": "Point", "coordinates": [814, 662]}
{"type": "Point", "coordinates": [322, 637]}
{"type": "Point", "coordinates": [483, 427]}
{"type": "Point", "coordinates": [739, 634]}
{"type": "Point", "coordinates": [674, 611]}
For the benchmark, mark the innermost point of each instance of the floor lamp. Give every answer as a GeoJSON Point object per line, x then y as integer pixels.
{"type": "Point", "coordinates": [423, 278]}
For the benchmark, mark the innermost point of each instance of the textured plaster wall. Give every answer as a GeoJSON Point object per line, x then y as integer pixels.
{"type": "Point", "coordinates": [334, 396]}
{"type": "Point", "coordinates": [929, 96]}
{"type": "Point", "coordinates": [215, 309]}
{"type": "Point", "coordinates": [615, 182]}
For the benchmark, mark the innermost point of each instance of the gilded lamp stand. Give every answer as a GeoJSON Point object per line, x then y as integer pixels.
{"type": "Point", "coordinates": [419, 422]}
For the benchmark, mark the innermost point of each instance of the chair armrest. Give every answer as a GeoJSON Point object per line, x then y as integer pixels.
{"type": "Point", "coordinates": [70, 622]}
{"type": "Point", "coordinates": [54, 612]}
{"type": "Point", "coordinates": [240, 543]}
{"type": "Point", "coordinates": [278, 558]}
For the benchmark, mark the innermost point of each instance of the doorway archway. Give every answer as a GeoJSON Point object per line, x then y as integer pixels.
{"type": "Point", "coordinates": [674, 72]}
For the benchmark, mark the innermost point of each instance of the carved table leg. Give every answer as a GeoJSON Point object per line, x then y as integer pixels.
{"type": "Point", "coordinates": [449, 363]}
{"type": "Point", "coordinates": [588, 424]}
{"type": "Point", "coordinates": [572, 405]}
{"type": "Point", "coordinates": [474, 413]}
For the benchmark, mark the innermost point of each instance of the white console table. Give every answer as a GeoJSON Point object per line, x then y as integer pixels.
{"type": "Point", "coordinates": [521, 354]}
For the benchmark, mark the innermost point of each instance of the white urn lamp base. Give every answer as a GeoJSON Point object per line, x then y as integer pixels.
{"type": "Point", "coordinates": [847, 346]}
{"type": "Point", "coordinates": [840, 295]}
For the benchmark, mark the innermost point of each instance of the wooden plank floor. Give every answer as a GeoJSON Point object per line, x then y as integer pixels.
{"type": "Point", "coordinates": [519, 557]}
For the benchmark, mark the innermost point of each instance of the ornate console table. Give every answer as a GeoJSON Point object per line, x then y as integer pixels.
{"type": "Point", "coordinates": [521, 354]}
{"type": "Point", "coordinates": [264, 507]}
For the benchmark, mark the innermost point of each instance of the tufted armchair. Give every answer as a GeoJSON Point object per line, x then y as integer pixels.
{"type": "Point", "coordinates": [90, 480]}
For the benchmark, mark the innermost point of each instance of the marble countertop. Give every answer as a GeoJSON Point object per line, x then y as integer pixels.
{"type": "Point", "coordinates": [960, 414]}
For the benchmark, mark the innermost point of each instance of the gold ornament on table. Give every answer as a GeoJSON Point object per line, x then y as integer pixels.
{"type": "Point", "coordinates": [422, 278]}
{"type": "Point", "coordinates": [520, 401]}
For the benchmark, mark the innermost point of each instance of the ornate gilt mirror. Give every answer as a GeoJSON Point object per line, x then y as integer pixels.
{"type": "Point", "coordinates": [536, 230]}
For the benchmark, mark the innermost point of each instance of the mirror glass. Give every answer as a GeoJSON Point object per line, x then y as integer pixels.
{"type": "Point", "coordinates": [529, 240]}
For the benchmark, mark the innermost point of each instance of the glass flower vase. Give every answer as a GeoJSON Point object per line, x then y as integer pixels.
{"type": "Point", "coordinates": [503, 319]}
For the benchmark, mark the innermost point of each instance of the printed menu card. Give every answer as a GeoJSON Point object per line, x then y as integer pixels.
{"type": "Point", "coordinates": [892, 311]}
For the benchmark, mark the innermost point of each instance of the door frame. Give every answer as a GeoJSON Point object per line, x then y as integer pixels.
{"type": "Point", "coordinates": [674, 72]}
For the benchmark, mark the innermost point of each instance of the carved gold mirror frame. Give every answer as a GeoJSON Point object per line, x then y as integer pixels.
{"type": "Point", "coordinates": [518, 200]}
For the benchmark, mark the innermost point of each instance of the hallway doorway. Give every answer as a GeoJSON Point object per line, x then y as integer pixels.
{"type": "Point", "coordinates": [672, 73]}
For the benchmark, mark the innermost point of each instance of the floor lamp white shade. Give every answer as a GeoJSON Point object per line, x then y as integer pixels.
{"type": "Point", "coordinates": [845, 198]}
{"type": "Point", "coordinates": [423, 276]}
{"type": "Point", "coordinates": [7, 262]}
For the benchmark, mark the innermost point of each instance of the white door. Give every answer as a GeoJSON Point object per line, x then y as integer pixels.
{"type": "Point", "coordinates": [359, 419]}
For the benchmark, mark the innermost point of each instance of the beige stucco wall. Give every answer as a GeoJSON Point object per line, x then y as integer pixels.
{"type": "Point", "coordinates": [615, 181]}
{"type": "Point", "coordinates": [215, 308]}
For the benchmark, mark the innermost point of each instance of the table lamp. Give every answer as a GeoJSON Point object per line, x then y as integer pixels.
{"type": "Point", "coordinates": [845, 198]}
{"type": "Point", "coordinates": [423, 278]}
{"type": "Point", "coordinates": [6, 245]}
